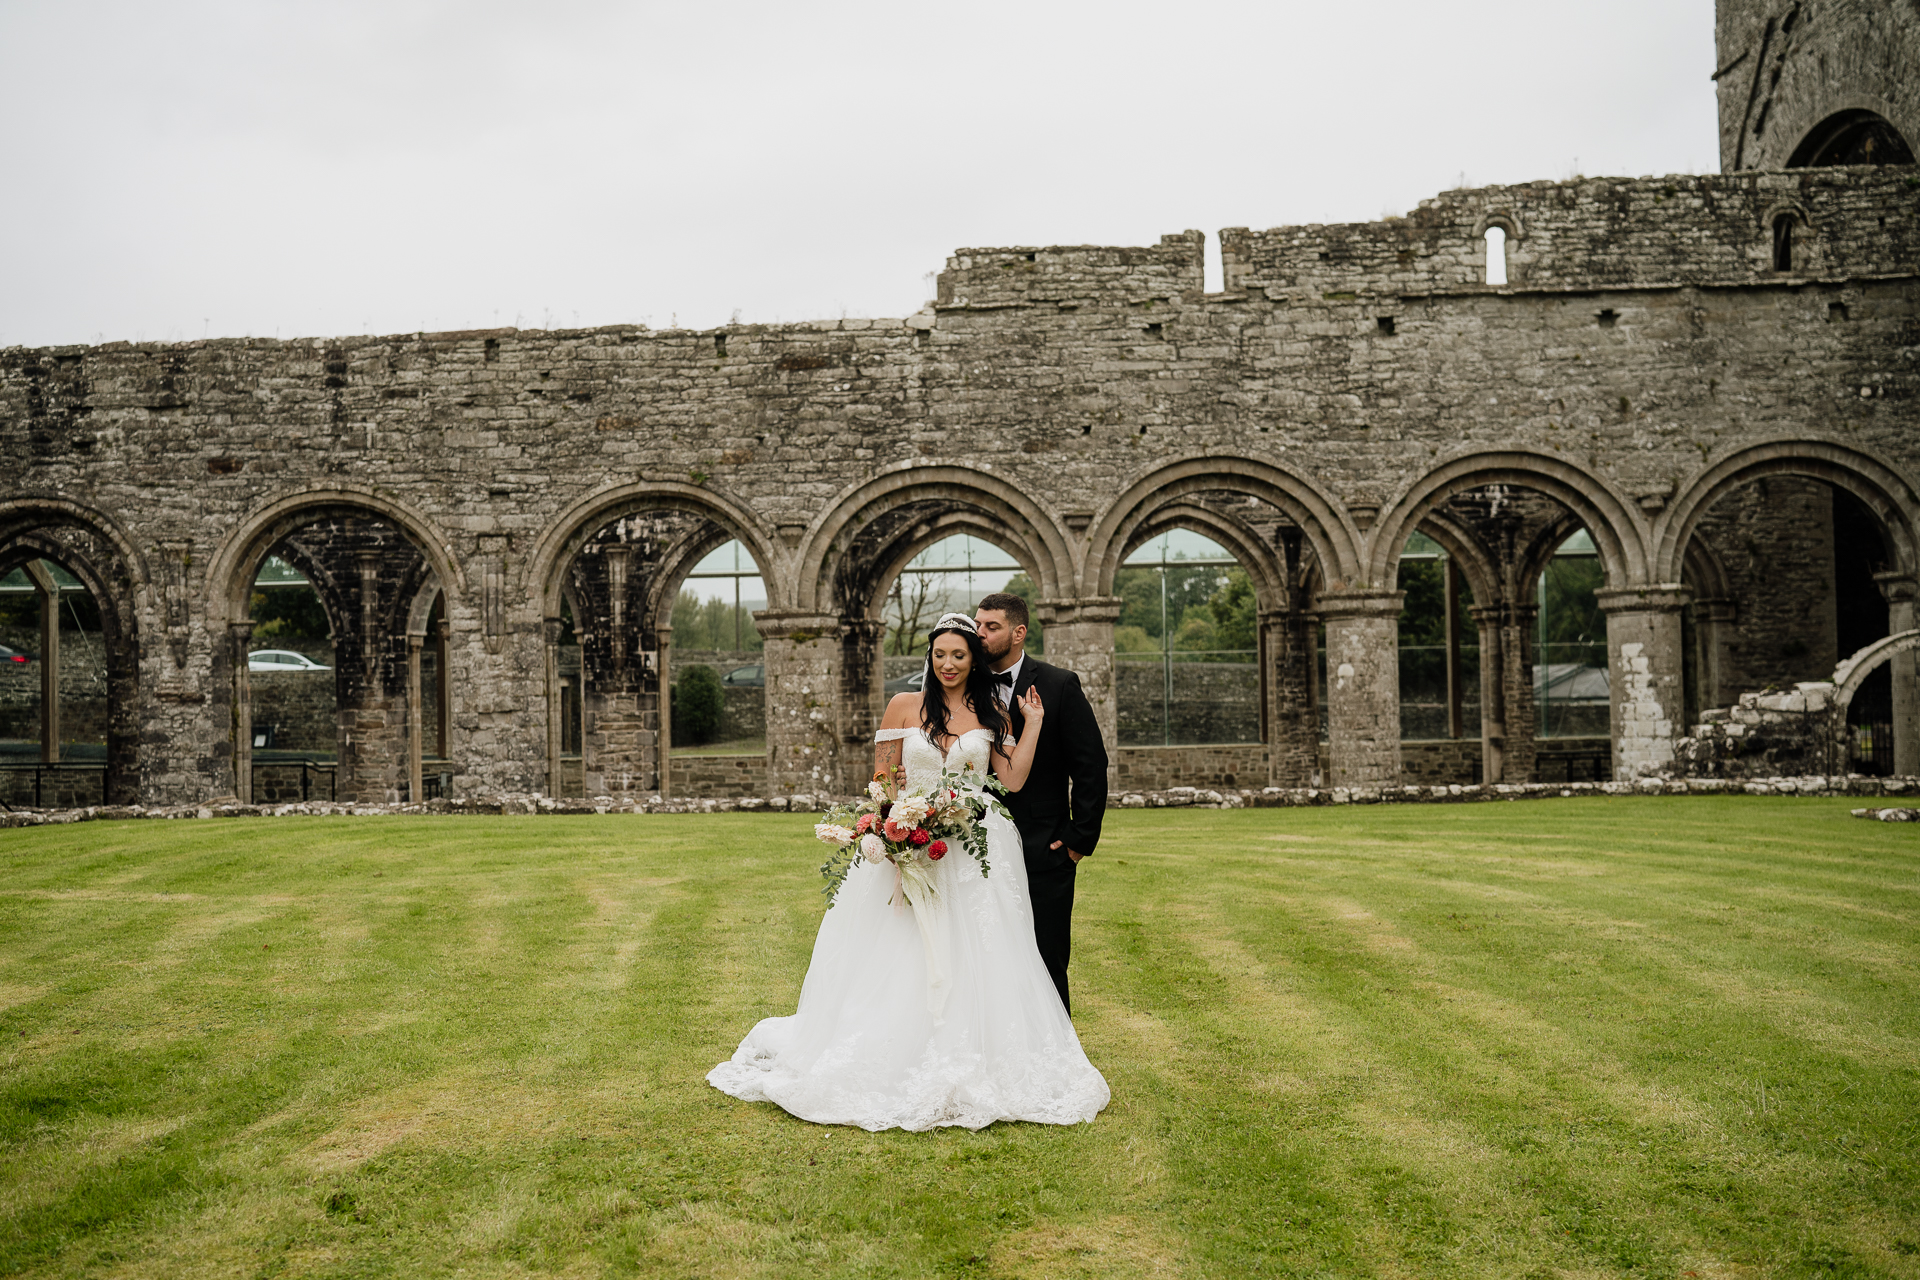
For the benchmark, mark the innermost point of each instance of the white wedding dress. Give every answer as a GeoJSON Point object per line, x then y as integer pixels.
{"type": "Point", "coordinates": [866, 1046]}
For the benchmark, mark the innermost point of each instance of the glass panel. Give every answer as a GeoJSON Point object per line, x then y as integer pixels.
{"type": "Point", "coordinates": [1186, 645]}
{"type": "Point", "coordinates": [721, 709]}
{"type": "Point", "coordinates": [1179, 544]}
{"type": "Point", "coordinates": [1424, 705]}
{"type": "Point", "coordinates": [1570, 675]}
{"type": "Point", "coordinates": [275, 572]}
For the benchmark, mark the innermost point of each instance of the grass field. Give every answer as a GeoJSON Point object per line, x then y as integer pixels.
{"type": "Point", "coordinates": [1646, 1037]}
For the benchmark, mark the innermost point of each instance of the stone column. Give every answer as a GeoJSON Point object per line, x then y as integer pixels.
{"type": "Point", "coordinates": [1900, 591]}
{"type": "Point", "coordinates": [862, 701]}
{"type": "Point", "coordinates": [550, 629]}
{"type": "Point", "coordinates": [663, 667]}
{"type": "Point", "coordinates": [1520, 716]}
{"type": "Point", "coordinates": [239, 643]}
{"type": "Point", "coordinates": [1363, 687]}
{"type": "Point", "coordinates": [1079, 637]}
{"type": "Point", "coordinates": [803, 712]}
{"type": "Point", "coordinates": [1293, 738]}
{"type": "Point", "coordinates": [1644, 674]}
{"type": "Point", "coordinates": [1493, 695]}
{"type": "Point", "coordinates": [416, 721]}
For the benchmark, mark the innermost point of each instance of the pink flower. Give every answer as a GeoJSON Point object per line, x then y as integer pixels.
{"type": "Point", "coordinates": [918, 836]}
{"type": "Point", "coordinates": [894, 830]}
{"type": "Point", "coordinates": [865, 824]}
{"type": "Point", "coordinates": [873, 847]}
{"type": "Point", "coordinates": [937, 850]}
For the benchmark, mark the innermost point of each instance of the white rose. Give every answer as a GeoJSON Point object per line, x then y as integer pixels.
{"type": "Point", "coordinates": [878, 792]}
{"type": "Point", "coordinates": [833, 833]}
{"type": "Point", "coordinates": [874, 847]}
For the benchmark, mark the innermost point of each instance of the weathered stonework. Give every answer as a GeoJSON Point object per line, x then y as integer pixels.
{"type": "Point", "coordinates": [1651, 353]}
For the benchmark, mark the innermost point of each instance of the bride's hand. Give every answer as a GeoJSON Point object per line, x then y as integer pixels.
{"type": "Point", "coordinates": [1031, 708]}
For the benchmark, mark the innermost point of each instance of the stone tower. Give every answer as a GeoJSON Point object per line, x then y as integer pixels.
{"type": "Point", "coordinates": [1817, 82]}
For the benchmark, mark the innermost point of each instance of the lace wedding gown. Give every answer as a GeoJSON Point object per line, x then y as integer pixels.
{"type": "Point", "coordinates": [866, 1046]}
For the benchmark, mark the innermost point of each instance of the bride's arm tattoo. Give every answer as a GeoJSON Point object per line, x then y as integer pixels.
{"type": "Point", "coordinates": [886, 756]}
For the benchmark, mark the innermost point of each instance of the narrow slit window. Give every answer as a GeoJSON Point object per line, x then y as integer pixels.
{"type": "Point", "coordinates": [1783, 242]}
{"type": "Point", "coordinates": [1496, 255]}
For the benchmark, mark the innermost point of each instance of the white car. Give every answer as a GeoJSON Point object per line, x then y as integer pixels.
{"type": "Point", "coordinates": [282, 660]}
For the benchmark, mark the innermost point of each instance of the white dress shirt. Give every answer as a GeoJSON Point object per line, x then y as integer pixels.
{"type": "Point", "coordinates": [1004, 692]}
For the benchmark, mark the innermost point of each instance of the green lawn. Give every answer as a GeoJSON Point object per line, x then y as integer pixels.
{"type": "Point", "coordinates": [1649, 1037]}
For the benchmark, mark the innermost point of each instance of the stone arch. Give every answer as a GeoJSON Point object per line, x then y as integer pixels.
{"type": "Point", "coordinates": [574, 527]}
{"type": "Point", "coordinates": [617, 559]}
{"type": "Point", "coordinates": [91, 545]}
{"type": "Point", "coordinates": [1849, 676]}
{"type": "Point", "coordinates": [1704, 571]}
{"type": "Point", "coordinates": [942, 527]}
{"type": "Point", "coordinates": [884, 515]}
{"type": "Point", "coordinates": [237, 560]}
{"type": "Point", "coordinates": [1483, 577]}
{"type": "Point", "coordinates": [1325, 526]}
{"type": "Point", "coordinates": [1853, 671]}
{"type": "Point", "coordinates": [1858, 129]}
{"type": "Point", "coordinates": [368, 556]}
{"type": "Point", "coordinates": [1884, 491]}
{"type": "Point", "coordinates": [1538, 553]}
{"type": "Point", "coordinates": [1267, 573]}
{"type": "Point", "coordinates": [1599, 506]}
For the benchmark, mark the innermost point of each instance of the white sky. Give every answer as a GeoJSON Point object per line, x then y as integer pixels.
{"type": "Point", "coordinates": [268, 168]}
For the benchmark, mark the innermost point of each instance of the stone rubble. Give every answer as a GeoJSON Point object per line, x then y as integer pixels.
{"type": "Point", "coordinates": [528, 804]}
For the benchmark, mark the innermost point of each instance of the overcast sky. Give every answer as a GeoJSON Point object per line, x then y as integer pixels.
{"type": "Point", "coordinates": [265, 168]}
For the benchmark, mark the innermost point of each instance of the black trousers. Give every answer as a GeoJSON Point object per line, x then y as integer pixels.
{"type": "Point", "coordinates": [1050, 874]}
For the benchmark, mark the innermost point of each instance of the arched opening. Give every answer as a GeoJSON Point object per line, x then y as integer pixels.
{"type": "Point", "coordinates": [1496, 246]}
{"type": "Point", "coordinates": [69, 685]}
{"type": "Point", "coordinates": [640, 581]}
{"type": "Point", "coordinates": [1514, 565]}
{"type": "Point", "coordinates": [54, 699]}
{"type": "Point", "coordinates": [1783, 238]}
{"type": "Point", "coordinates": [1186, 645]}
{"type": "Point", "coordinates": [1240, 556]}
{"type": "Point", "coordinates": [1804, 582]}
{"type": "Point", "coordinates": [719, 693]}
{"type": "Point", "coordinates": [360, 575]}
{"type": "Point", "coordinates": [938, 534]}
{"type": "Point", "coordinates": [1851, 137]}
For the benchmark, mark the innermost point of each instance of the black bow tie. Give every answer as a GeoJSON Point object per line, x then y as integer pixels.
{"type": "Point", "coordinates": [1003, 677]}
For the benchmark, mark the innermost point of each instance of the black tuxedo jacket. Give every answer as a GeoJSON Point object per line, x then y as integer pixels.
{"type": "Point", "coordinates": [1066, 792]}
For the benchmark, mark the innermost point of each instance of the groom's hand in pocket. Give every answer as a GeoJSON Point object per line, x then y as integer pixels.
{"type": "Point", "coordinates": [1071, 855]}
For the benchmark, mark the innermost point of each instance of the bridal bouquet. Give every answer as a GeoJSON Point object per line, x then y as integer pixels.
{"type": "Point", "coordinates": [911, 829]}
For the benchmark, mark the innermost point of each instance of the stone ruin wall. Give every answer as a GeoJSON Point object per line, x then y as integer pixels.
{"type": "Point", "coordinates": [1065, 402]}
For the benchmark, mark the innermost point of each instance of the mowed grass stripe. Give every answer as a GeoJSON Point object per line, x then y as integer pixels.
{"type": "Point", "coordinates": [1525, 1039]}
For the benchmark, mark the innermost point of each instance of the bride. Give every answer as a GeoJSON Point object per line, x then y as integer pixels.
{"type": "Point", "coordinates": [884, 1040]}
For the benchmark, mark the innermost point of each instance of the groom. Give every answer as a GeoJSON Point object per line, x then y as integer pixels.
{"type": "Point", "coordinates": [1059, 810]}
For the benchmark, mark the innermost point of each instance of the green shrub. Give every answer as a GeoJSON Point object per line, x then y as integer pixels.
{"type": "Point", "coordinates": [699, 704]}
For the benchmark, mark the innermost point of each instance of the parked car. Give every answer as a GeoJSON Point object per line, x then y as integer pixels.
{"type": "Point", "coordinates": [13, 657]}
{"type": "Point", "coordinates": [906, 684]}
{"type": "Point", "coordinates": [755, 675]}
{"type": "Point", "coordinates": [282, 660]}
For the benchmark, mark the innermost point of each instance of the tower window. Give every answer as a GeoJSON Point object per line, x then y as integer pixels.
{"type": "Point", "coordinates": [1496, 255]}
{"type": "Point", "coordinates": [1783, 242]}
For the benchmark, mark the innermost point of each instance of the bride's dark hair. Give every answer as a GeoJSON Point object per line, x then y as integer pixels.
{"type": "Point", "coordinates": [979, 695]}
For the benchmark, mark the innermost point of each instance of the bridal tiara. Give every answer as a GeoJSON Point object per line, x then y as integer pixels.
{"type": "Point", "coordinates": [957, 620]}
